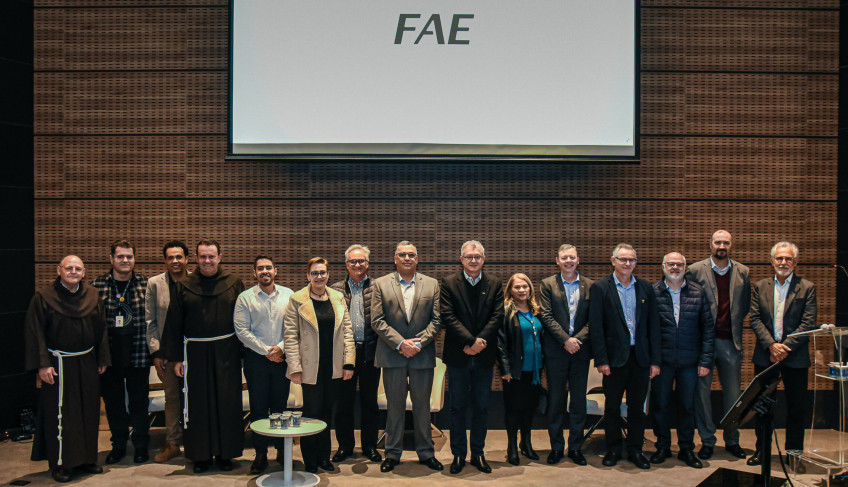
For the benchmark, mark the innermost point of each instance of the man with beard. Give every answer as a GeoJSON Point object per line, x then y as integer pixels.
{"type": "Point", "coordinates": [258, 320]}
{"type": "Point", "coordinates": [200, 340]}
{"type": "Point", "coordinates": [125, 385]}
{"type": "Point", "coordinates": [66, 340]}
{"type": "Point", "coordinates": [357, 291]}
{"type": "Point", "coordinates": [565, 346]}
{"type": "Point", "coordinates": [688, 333]}
{"type": "Point", "coordinates": [156, 309]}
{"type": "Point", "coordinates": [782, 305]}
{"type": "Point", "coordinates": [625, 333]}
{"type": "Point", "coordinates": [728, 289]}
{"type": "Point", "coordinates": [405, 316]}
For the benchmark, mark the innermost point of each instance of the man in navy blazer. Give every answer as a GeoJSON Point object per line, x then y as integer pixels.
{"type": "Point", "coordinates": [781, 305]}
{"type": "Point", "coordinates": [625, 334]}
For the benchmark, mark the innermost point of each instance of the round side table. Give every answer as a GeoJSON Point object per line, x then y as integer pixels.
{"type": "Point", "coordinates": [287, 478]}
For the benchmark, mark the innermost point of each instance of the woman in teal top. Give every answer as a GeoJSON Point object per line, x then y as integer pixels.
{"type": "Point", "coordinates": [520, 359]}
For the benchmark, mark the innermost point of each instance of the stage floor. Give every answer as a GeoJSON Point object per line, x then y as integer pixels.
{"type": "Point", "coordinates": [15, 465]}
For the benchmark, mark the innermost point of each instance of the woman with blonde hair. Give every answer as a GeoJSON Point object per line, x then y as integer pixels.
{"type": "Point", "coordinates": [318, 340]}
{"type": "Point", "coordinates": [520, 359]}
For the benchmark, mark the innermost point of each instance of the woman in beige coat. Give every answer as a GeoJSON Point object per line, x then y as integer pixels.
{"type": "Point", "coordinates": [318, 340]}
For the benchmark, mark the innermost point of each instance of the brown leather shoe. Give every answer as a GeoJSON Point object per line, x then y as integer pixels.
{"type": "Point", "coordinates": [169, 451]}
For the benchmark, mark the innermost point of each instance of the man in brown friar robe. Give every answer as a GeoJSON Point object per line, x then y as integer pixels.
{"type": "Point", "coordinates": [200, 331]}
{"type": "Point", "coordinates": [66, 340]}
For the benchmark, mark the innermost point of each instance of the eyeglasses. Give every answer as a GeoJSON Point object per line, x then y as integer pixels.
{"type": "Point", "coordinates": [626, 261]}
{"type": "Point", "coordinates": [675, 265]}
{"type": "Point", "coordinates": [357, 261]}
{"type": "Point", "coordinates": [71, 268]}
{"type": "Point", "coordinates": [473, 258]}
{"type": "Point", "coordinates": [318, 273]}
{"type": "Point", "coordinates": [406, 255]}
{"type": "Point", "coordinates": [784, 259]}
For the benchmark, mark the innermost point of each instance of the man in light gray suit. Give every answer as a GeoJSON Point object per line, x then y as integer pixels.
{"type": "Point", "coordinates": [728, 290]}
{"type": "Point", "coordinates": [405, 316]}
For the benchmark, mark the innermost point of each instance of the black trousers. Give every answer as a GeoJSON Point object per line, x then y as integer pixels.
{"type": "Point", "coordinates": [575, 373]}
{"type": "Point", "coordinates": [634, 380]}
{"type": "Point", "coordinates": [795, 390]}
{"type": "Point", "coordinates": [318, 403]}
{"type": "Point", "coordinates": [268, 389]}
{"type": "Point", "coordinates": [368, 378]}
{"type": "Point", "coordinates": [116, 385]}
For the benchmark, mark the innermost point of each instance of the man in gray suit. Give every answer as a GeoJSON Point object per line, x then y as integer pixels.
{"type": "Point", "coordinates": [781, 305]}
{"type": "Point", "coordinates": [405, 316]}
{"type": "Point", "coordinates": [728, 290]}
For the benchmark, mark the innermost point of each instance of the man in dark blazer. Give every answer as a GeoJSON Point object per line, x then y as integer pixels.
{"type": "Point", "coordinates": [625, 333]}
{"type": "Point", "coordinates": [357, 291]}
{"type": "Point", "coordinates": [728, 289]}
{"type": "Point", "coordinates": [565, 346]}
{"type": "Point", "coordinates": [781, 305]}
{"type": "Point", "coordinates": [472, 310]}
{"type": "Point", "coordinates": [405, 316]}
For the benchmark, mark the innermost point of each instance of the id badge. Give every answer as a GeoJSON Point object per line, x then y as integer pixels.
{"type": "Point", "coordinates": [119, 321]}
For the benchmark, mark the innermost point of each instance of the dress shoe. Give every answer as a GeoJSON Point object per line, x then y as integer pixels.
{"type": "Point", "coordinates": [260, 463]}
{"type": "Point", "coordinates": [512, 452]}
{"type": "Point", "coordinates": [526, 449]}
{"type": "Point", "coordinates": [755, 459]}
{"type": "Point", "coordinates": [61, 474]}
{"type": "Point", "coordinates": [660, 455]}
{"type": "Point", "coordinates": [611, 458]}
{"type": "Point", "coordinates": [577, 457]}
{"type": "Point", "coordinates": [554, 457]}
{"type": "Point", "coordinates": [326, 465]}
{"type": "Point", "coordinates": [734, 450]}
{"type": "Point", "coordinates": [688, 457]}
{"type": "Point", "coordinates": [481, 464]}
{"type": "Point", "coordinates": [311, 468]}
{"type": "Point", "coordinates": [115, 456]}
{"type": "Point", "coordinates": [457, 464]}
{"type": "Point", "coordinates": [372, 454]}
{"type": "Point", "coordinates": [636, 458]}
{"type": "Point", "coordinates": [169, 451]}
{"type": "Point", "coordinates": [224, 464]}
{"type": "Point", "coordinates": [342, 455]}
{"type": "Point", "coordinates": [91, 468]}
{"type": "Point", "coordinates": [432, 463]}
{"type": "Point", "coordinates": [388, 465]}
{"type": "Point", "coordinates": [141, 455]}
{"type": "Point", "coordinates": [202, 466]}
{"type": "Point", "coordinates": [706, 452]}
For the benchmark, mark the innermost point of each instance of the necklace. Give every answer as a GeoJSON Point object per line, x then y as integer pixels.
{"type": "Point", "coordinates": [121, 295]}
{"type": "Point", "coordinates": [319, 296]}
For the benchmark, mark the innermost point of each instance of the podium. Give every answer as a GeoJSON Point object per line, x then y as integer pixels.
{"type": "Point", "coordinates": [824, 461]}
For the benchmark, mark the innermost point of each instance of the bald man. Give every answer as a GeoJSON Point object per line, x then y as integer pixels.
{"type": "Point", "coordinates": [66, 340]}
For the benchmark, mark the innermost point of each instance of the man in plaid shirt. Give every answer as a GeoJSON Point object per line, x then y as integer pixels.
{"type": "Point", "coordinates": [122, 291]}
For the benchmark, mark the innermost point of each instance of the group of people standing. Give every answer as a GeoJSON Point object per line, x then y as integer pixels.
{"type": "Point", "coordinates": [197, 328]}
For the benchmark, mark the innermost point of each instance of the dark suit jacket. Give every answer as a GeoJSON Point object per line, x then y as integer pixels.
{"type": "Point", "coordinates": [740, 293]}
{"type": "Point", "coordinates": [388, 319]}
{"type": "Point", "coordinates": [800, 313]}
{"type": "Point", "coordinates": [458, 320]}
{"type": "Point", "coordinates": [556, 317]}
{"type": "Point", "coordinates": [608, 328]}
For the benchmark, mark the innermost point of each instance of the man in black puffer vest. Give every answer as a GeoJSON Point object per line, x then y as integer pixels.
{"type": "Point", "coordinates": [688, 339]}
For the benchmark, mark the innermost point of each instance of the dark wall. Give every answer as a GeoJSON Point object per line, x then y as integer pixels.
{"type": "Point", "coordinates": [16, 185]}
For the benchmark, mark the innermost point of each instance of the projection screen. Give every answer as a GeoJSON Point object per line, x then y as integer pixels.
{"type": "Point", "coordinates": [501, 79]}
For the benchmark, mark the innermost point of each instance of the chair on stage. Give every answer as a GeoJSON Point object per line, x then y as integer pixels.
{"type": "Point", "coordinates": [437, 398]}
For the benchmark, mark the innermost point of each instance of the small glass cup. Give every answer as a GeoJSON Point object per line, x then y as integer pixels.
{"type": "Point", "coordinates": [274, 420]}
{"type": "Point", "coordinates": [296, 418]}
{"type": "Point", "coordinates": [285, 420]}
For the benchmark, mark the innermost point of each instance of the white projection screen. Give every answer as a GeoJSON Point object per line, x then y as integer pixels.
{"type": "Point", "coordinates": [431, 79]}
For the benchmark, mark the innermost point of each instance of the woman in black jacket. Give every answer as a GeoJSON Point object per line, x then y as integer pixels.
{"type": "Point", "coordinates": [520, 358]}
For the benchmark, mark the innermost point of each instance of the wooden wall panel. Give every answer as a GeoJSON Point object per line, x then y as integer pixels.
{"type": "Point", "coordinates": [739, 112]}
{"type": "Point", "coordinates": [740, 40]}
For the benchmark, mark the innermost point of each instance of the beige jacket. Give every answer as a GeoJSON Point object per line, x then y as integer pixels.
{"type": "Point", "coordinates": [300, 336]}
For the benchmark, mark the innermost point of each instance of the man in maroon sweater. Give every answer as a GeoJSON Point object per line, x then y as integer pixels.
{"type": "Point", "coordinates": [728, 290]}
